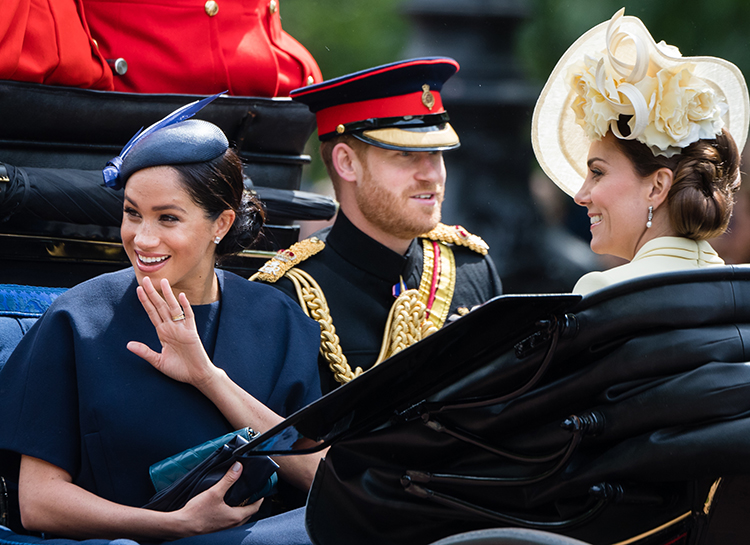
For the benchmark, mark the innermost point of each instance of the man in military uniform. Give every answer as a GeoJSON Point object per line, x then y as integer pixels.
{"type": "Point", "coordinates": [387, 273]}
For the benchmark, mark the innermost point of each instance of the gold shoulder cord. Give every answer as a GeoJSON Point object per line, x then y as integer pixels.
{"type": "Point", "coordinates": [405, 326]}
{"type": "Point", "coordinates": [408, 320]}
{"type": "Point", "coordinates": [416, 314]}
{"type": "Point", "coordinates": [312, 301]}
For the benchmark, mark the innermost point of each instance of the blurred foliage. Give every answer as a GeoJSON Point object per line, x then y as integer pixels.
{"type": "Point", "coordinates": [349, 35]}
{"type": "Point", "coordinates": [697, 27]}
{"type": "Point", "coordinates": [345, 36]}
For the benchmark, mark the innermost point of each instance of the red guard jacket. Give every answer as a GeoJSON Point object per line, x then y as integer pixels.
{"type": "Point", "coordinates": [201, 46]}
{"type": "Point", "coordinates": [47, 41]}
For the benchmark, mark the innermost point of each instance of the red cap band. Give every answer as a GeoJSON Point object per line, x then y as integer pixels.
{"type": "Point", "coordinates": [398, 106]}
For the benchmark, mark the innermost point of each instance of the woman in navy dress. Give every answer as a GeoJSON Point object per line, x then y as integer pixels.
{"type": "Point", "coordinates": [85, 415]}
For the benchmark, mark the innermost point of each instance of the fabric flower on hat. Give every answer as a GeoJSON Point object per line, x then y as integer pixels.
{"type": "Point", "coordinates": [593, 112]}
{"type": "Point", "coordinates": [685, 109]}
{"type": "Point", "coordinates": [670, 108]}
{"type": "Point", "coordinates": [615, 70]}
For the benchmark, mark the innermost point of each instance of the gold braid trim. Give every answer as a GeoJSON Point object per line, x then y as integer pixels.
{"type": "Point", "coordinates": [314, 303]}
{"type": "Point", "coordinates": [446, 285]}
{"type": "Point", "coordinates": [406, 322]}
{"type": "Point", "coordinates": [455, 234]}
{"type": "Point", "coordinates": [311, 299]}
{"type": "Point", "coordinates": [405, 326]}
{"type": "Point", "coordinates": [284, 260]}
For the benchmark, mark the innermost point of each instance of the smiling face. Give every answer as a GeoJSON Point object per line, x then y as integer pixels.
{"type": "Point", "coordinates": [617, 199]}
{"type": "Point", "coordinates": [167, 235]}
{"type": "Point", "coordinates": [401, 193]}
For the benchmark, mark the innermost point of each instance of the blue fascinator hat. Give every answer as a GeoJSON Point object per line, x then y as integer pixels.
{"type": "Point", "coordinates": [174, 140]}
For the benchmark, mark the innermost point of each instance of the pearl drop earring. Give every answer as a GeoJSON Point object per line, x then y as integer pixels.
{"type": "Point", "coordinates": [650, 217]}
{"type": "Point", "coordinates": [217, 240]}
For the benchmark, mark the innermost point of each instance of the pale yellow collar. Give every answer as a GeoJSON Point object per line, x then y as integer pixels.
{"type": "Point", "coordinates": [698, 251]}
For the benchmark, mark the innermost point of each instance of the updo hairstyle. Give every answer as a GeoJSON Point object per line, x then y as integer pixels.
{"type": "Point", "coordinates": [706, 177]}
{"type": "Point", "coordinates": [217, 185]}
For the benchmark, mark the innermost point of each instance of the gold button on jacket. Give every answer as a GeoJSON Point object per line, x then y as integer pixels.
{"type": "Point", "coordinates": [211, 7]}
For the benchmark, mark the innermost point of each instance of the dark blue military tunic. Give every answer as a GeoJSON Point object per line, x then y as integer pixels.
{"type": "Point", "coordinates": [357, 275]}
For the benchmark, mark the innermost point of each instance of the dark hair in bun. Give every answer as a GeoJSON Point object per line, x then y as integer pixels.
{"type": "Point", "coordinates": [705, 179]}
{"type": "Point", "coordinates": [218, 185]}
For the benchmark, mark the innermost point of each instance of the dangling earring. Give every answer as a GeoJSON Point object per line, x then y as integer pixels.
{"type": "Point", "coordinates": [218, 239]}
{"type": "Point", "coordinates": [650, 217]}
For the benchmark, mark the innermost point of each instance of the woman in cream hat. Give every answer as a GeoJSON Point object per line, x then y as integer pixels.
{"type": "Point", "coordinates": [647, 141]}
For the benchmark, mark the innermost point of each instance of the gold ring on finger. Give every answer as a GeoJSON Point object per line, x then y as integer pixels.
{"type": "Point", "coordinates": [179, 317]}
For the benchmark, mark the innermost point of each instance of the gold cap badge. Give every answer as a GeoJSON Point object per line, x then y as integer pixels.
{"type": "Point", "coordinates": [428, 99]}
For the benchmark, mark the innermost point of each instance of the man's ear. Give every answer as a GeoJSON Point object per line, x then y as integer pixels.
{"type": "Point", "coordinates": [346, 162]}
{"type": "Point", "coordinates": [661, 183]}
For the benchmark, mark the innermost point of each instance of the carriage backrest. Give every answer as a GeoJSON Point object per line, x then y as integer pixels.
{"type": "Point", "coordinates": [20, 307]}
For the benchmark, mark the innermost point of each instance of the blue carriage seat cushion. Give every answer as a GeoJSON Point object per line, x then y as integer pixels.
{"type": "Point", "coordinates": [20, 307]}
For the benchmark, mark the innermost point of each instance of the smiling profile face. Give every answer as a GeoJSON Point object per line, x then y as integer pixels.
{"type": "Point", "coordinates": [166, 235]}
{"type": "Point", "coordinates": [617, 199]}
{"type": "Point", "coordinates": [401, 193]}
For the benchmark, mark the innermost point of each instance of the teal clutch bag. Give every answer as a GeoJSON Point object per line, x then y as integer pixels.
{"type": "Point", "coordinates": [169, 470]}
{"type": "Point", "coordinates": [258, 478]}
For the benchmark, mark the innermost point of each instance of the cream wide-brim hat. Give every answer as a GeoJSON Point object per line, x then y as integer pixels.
{"type": "Point", "coordinates": [561, 145]}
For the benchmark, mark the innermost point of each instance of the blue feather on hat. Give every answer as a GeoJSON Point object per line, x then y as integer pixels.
{"type": "Point", "coordinates": [111, 172]}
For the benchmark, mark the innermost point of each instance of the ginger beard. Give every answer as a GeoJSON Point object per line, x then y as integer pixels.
{"type": "Point", "coordinates": [397, 211]}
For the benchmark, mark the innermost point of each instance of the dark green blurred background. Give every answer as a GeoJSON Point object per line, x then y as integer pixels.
{"type": "Point", "coordinates": [349, 35]}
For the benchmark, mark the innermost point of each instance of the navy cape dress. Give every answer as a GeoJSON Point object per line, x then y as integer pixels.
{"type": "Point", "coordinates": [73, 395]}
